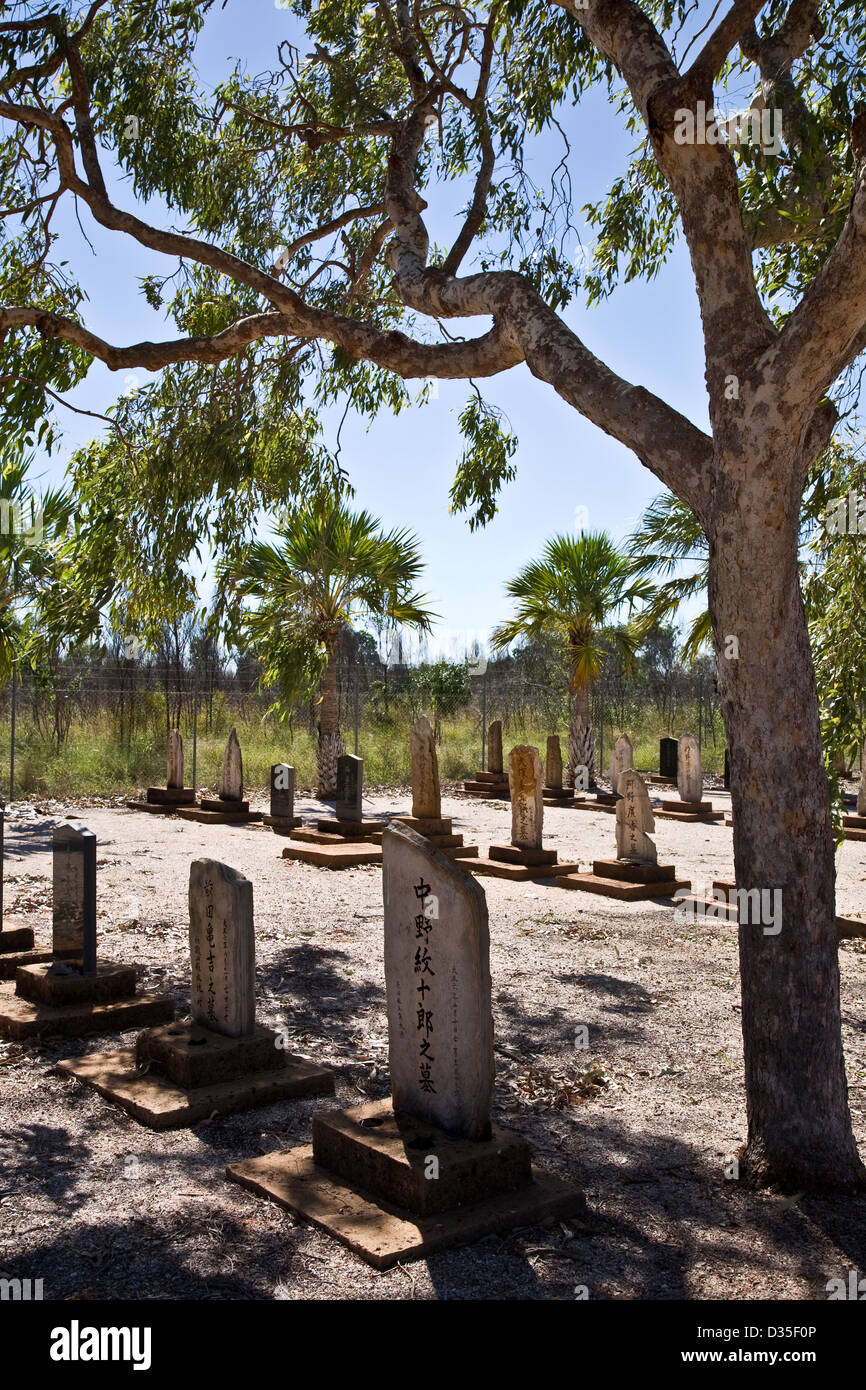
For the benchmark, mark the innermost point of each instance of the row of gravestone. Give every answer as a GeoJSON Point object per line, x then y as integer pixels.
{"type": "Point", "coordinates": [394, 1179]}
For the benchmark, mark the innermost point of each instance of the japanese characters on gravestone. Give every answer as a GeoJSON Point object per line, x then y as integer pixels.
{"type": "Point", "coordinates": [690, 782]}
{"type": "Point", "coordinates": [527, 803]}
{"type": "Point", "coordinates": [437, 982]}
{"type": "Point", "coordinates": [222, 949]}
{"type": "Point", "coordinates": [350, 781]}
{"type": "Point", "coordinates": [282, 791]}
{"type": "Point", "coordinates": [231, 785]}
{"type": "Point", "coordinates": [634, 817]}
{"type": "Point", "coordinates": [494, 746]}
{"type": "Point", "coordinates": [426, 796]}
{"type": "Point", "coordinates": [621, 758]}
{"type": "Point", "coordinates": [74, 913]}
{"type": "Point", "coordinates": [174, 771]}
{"type": "Point", "coordinates": [553, 763]}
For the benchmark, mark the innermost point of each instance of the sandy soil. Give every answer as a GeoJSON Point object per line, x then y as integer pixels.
{"type": "Point", "coordinates": [645, 1120]}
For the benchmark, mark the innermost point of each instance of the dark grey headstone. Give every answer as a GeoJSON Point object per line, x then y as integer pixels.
{"type": "Point", "coordinates": [74, 915]}
{"type": "Point", "coordinates": [282, 790]}
{"type": "Point", "coordinates": [350, 782]}
{"type": "Point", "coordinates": [668, 760]}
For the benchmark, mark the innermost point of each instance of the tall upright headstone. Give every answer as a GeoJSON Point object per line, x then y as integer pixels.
{"type": "Point", "coordinates": [527, 803]}
{"type": "Point", "coordinates": [621, 758]}
{"type": "Point", "coordinates": [553, 763]}
{"type": "Point", "coordinates": [74, 911]}
{"type": "Point", "coordinates": [350, 784]}
{"type": "Point", "coordinates": [231, 786]}
{"type": "Point", "coordinates": [494, 746]}
{"type": "Point", "coordinates": [426, 796]}
{"type": "Point", "coordinates": [690, 781]}
{"type": "Point", "coordinates": [634, 817]}
{"type": "Point", "coordinates": [282, 791]}
{"type": "Point", "coordinates": [222, 948]}
{"type": "Point", "coordinates": [668, 757]}
{"type": "Point", "coordinates": [437, 982]}
{"type": "Point", "coordinates": [174, 770]}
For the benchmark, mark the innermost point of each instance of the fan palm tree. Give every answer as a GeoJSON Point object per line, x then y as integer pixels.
{"type": "Point", "coordinates": [669, 535]}
{"type": "Point", "coordinates": [329, 566]}
{"type": "Point", "coordinates": [31, 530]}
{"type": "Point", "coordinates": [576, 589]}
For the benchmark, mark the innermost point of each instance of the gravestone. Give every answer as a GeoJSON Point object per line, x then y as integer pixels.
{"type": "Point", "coordinates": [494, 746]}
{"type": "Point", "coordinates": [668, 757]}
{"type": "Point", "coordinates": [437, 983]}
{"type": "Point", "coordinates": [634, 817]}
{"type": "Point", "coordinates": [350, 784]}
{"type": "Point", "coordinates": [398, 1179]}
{"type": "Point", "coordinates": [690, 781]}
{"type": "Point", "coordinates": [222, 948]}
{"type": "Point", "coordinates": [174, 772]}
{"type": "Point", "coordinates": [231, 786]}
{"type": "Point", "coordinates": [527, 804]}
{"type": "Point", "coordinates": [74, 913]}
{"type": "Point", "coordinates": [621, 758]}
{"type": "Point", "coordinates": [219, 1060]}
{"type": "Point", "coordinates": [282, 791]}
{"type": "Point", "coordinates": [553, 764]}
{"type": "Point", "coordinates": [426, 796]}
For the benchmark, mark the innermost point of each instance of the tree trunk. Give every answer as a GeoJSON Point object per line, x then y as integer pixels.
{"type": "Point", "coordinates": [581, 745]}
{"type": "Point", "coordinates": [799, 1126]}
{"type": "Point", "coordinates": [330, 743]}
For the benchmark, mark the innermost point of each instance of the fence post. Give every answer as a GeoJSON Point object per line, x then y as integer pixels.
{"type": "Point", "coordinates": [194, 736]}
{"type": "Point", "coordinates": [356, 705]}
{"type": "Point", "coordinates": [700, 711]}
{"type": "Point", "coordinates": [12, 740]}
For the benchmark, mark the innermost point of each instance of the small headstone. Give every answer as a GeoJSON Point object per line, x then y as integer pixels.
{"type": "Point", "coordinates": [174, 775]}
{"type": "Point", "coordinates": [527, 803]}
{"type": "Point", "coordinates": [231, 786]}
{"type": "Point", "coordinates": [667, 757]}
{"type": "Point", "coordinates": [350, 783]}
{"type": "Point", "coordinates": [621, 758]}
{"type": "Point", "coordinates": [222, 949]}
{"type": "Point", "coordinates": [634, 817]}
{"type": "Point", "coordinates": [74, 910]}
{"type": "Point", "coordinates": [437, 982]}
{"type": "Point", "coordinates": [426, 797]}
{"type": "Point", "coordinates": [283, 791]}
{"type": "Point", "coordinates": [553, 763]}
{"type": "Point", "coordinates": [494, 746]}
{"type": "Point", "coordinates": [690, 781]}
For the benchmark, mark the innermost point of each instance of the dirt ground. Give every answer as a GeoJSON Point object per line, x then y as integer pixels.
{"type": "Point", "coordinates": [645, 1120]}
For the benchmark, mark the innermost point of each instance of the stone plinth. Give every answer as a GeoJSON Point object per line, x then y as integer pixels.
{"type": "Point", "coordinates": [438, 831]}
{"type": "Point", "coordinates": [21, 1018]}
{"type": "Point", "coordinates": [689, 811]}
{"type": "Point", "coordinates": [616, 878]}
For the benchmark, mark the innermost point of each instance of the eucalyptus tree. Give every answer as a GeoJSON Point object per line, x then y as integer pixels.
{"type": "Point", "coordinates": [290, 208]}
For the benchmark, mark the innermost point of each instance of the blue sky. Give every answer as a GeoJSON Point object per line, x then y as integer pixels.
{"type": "Point", "coordinates": [402, 468]}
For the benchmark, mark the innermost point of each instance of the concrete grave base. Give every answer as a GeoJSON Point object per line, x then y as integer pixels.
{"type": "Point", "coordinates": [585, 803]}
{"type": "Point", "coordinates": [617, 878]}
{"type": "Point", "coordinates": [364, 1181]}
{"type": "Point", "coordinates": [20, 1018]}
{"type": "Point", "coordinates": [15, 937]}
{"type": "Point", "coordinates": [164, 801]}
{"type": "Point", "coordinates": [197, 813]}
{"type": "Point", "coordinates": [688, 811]}
{"type": "Point", "coordinates": [282, 825]}
{"type": "Point", "coordinates": [489, 786]}
{"type": "Point", "coordinates": [160, 1101]}
{"type": "Point", "coordinates": [847, 928]}
{"type": "Point", "coordinates": [17, 948]}
{"type": "Point", "coordinates": [336, 854]}
{"type": "Point", "coordinates": [854, 827]}
{"type": "Point", "coordinates": [41, 984]}
{"type": "Point", "coordinates": [508, 861]}
{"type": "Point", "coordinates": [655, 779]}
{"type": "Point", "coordinates": [439, 832]}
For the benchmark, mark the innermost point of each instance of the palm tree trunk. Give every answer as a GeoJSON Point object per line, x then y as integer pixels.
{"type": "Point", "coordinates": [581, 745]}
{"type": "Point", "coordinates": [330, 744]}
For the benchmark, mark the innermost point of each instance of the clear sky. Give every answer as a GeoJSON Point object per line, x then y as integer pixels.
{"type": "Point", "coordinates": [402, 467]}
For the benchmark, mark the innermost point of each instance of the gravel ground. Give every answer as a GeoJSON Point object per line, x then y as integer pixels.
{"type": "Point", "coordinates": [645, 1120]}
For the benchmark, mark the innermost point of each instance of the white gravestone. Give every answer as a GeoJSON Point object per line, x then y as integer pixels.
{"type": "Point", "coordinates": [222, 948]}
{"type": "Point", "coordinates": [690, 780]}
{"type": "Point", "coordinates": [634, 817]}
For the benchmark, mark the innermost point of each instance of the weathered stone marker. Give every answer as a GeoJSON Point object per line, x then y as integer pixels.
{"type": "Point", "coordinates": [690, 781]}
{"type": "Point", "coordinates": [398, 1179]}
{"type": "Point", "coordinates": [621, 758]}
{"type": "Point", "coordinates": [350, 783]}
{"type": "Point", "coordinates": [426, 796]}
{"type": "Point", "coordinates": [437, 982]}
{"type": "Point", "coordinates": [222, 948]}
{"type": "Point", "coordinates": [74, 916]}
{"type": "Point", "coordinates": [231, 786]}
{"type": "Point", "coordinates": [527, 804]}
{"type": "Point", "coordinates": [494, 746]}
{"type": "Point", "coordinates": [282, 791]}
{"type": "Point", "coordinates": [668, 758]}
{"type": "Point", "coordinates": [634, 817]}
{"type": "Point", "coordinates": [553, 763]}
{"type": "Point", "coordinates": [220, 1060]}
{"type": "Point", "coordinates": [174, 771]}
